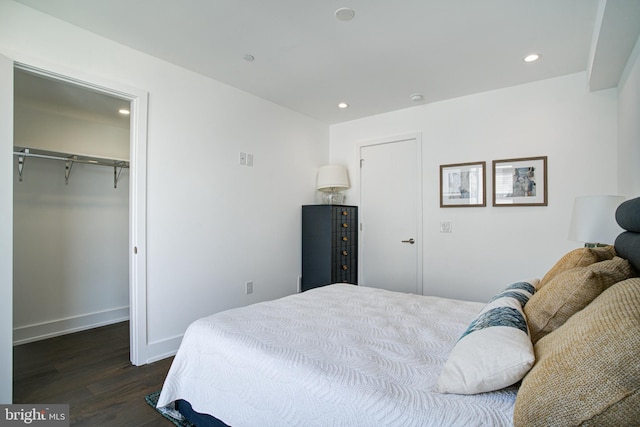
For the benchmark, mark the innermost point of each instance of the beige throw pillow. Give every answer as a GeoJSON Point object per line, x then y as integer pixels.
{"type": "Point", "coordinates": [587, 372]}
{"type": "Point", "coordinates": [571, 291]}
{"type": "Point", "coordinates": [581, 257]}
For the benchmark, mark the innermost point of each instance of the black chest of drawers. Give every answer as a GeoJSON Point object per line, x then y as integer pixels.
{"type": "Point", "coordinates": [329, 245]}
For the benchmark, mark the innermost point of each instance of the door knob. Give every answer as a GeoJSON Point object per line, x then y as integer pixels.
{"type": "Point", "coordinates": [409, 241]}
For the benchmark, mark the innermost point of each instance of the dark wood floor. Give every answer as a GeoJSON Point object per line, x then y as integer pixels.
{"type": "Point", "coordinates": [90, 371]}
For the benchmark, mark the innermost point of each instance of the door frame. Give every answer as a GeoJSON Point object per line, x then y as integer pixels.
{"type": "Point", "coordinates": [6, 229]}
{"type": "Point", "coordinates": [138, 98]}
{"type": "Point", "coordinates": [419, 198]}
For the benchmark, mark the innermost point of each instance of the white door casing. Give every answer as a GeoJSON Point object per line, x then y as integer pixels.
{"type": "Point", "coordinates": [6, 229]}
{"type": "Point", "coordinates": [391, 214]}
{"type": "Point", "coordinates": [137, 190]}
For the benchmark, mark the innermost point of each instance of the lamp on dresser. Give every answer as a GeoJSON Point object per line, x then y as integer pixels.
{"type": "Point", "coordinates": [593, 220]}
{"type": "Point", "coordinates": [331, 180]}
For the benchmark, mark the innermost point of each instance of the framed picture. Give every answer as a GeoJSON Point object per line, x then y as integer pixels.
{"type": "Point", "coordinates": [462, 185]}
{"type": "Point", "coordinates": [520, 182]}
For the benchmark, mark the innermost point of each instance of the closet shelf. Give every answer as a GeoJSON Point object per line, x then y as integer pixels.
{"type": "Point", "coordinates": [70, 160]}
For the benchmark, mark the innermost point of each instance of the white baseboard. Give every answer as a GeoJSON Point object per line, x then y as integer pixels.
{"type": "Point", "coordinates": [54, 328]}
{"type": "Point", "coordinates": [162, 349]}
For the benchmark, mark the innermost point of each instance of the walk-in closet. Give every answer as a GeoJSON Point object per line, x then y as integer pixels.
{"type": "Point", "coordinates": [70, 207]}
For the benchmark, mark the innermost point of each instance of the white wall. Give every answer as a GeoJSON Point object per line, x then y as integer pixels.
{"type": "Point", "coordinates": [212, 224]}
{"type": "Point", "coordinates": [70, 254]}
{"type": "Point", "coordinates": [629, 127]}
{"type": "Point", "coordinates": [492, 247]}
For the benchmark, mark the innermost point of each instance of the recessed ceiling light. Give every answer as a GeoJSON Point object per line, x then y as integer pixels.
{"type": "Point", "coordinates": [416, 97]}
{"type": "Point", "coordinates": [248, 57]}
{"type": "Point", "coordinates": [532, 57]}
{"type": "Point", "coordinates": [124, 111]}
{"type": "Point", "coordinates": [343, 105]}
{"type": "Point", "coordinates": [345, 14]}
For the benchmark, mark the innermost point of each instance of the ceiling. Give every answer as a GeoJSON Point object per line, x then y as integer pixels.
{"type": "Point", "coordinates": [307, 60]}
{"type": "Point", "coordinates": [63, 98]}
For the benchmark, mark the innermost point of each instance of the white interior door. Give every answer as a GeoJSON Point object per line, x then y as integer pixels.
{"type": "Point", "coordinates": [391, 215]}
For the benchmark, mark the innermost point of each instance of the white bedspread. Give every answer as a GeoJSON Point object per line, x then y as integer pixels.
{"type": "Point", "coordinates": [339, 355]}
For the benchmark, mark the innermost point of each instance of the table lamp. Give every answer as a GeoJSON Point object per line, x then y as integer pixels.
{"type": "Point", "coordinates": [331, 180]}
{"type": "Point", "coordinates": [593, 220]}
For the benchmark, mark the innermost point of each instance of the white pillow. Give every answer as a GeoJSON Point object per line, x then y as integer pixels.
{"type": "Point", "coordinates": [495, 351]}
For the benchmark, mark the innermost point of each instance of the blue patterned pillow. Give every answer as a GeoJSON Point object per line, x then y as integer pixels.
{"type": "Point", "coordinates": [495, 351]}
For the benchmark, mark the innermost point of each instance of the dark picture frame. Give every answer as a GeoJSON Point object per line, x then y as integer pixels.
{"type": "Point", "coordinates": [463, 185]}
{"type": "Point", "coordinates": [520, 182]}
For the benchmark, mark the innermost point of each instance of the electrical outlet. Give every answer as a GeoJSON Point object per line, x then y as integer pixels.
{"type": "Point", "coordinates": [249, 286]}
{"type": "Point", "coordinates": [249, 159]}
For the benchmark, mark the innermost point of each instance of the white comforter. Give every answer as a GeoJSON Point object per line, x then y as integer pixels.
{"type": "Point", "coordinates": [340, 355]}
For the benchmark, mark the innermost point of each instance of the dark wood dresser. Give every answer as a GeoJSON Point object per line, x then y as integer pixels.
{"type": "Point", "coordinates": [329, 245]}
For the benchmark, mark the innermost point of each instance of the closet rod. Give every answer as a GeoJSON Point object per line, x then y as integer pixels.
{"type": "Point", "coordinates": [75, 159]}
{"type": "Point", "coordinates": [70, 160]}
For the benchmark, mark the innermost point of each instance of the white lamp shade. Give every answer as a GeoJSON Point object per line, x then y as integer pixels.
{"type": "Point", "coordinates": [332, 177]}
{"type": "Point", "coordinates": [593, 219]}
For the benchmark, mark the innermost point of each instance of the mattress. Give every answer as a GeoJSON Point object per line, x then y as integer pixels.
{"type": "Point", "coordinates": [335, 355]}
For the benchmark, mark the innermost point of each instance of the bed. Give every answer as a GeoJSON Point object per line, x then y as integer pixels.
{"type": "Point", "coordinates": [357, 356]}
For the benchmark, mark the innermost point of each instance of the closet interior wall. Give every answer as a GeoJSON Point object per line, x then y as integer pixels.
{"type": "Point", "coordinates": [70, 239]}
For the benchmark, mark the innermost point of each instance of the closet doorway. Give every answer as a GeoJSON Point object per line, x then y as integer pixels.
{"type": "Point", "coordinates": [77, 209]}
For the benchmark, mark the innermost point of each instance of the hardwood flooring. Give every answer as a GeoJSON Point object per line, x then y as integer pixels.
{"type": "Point", "coordinates": [91, 371]}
